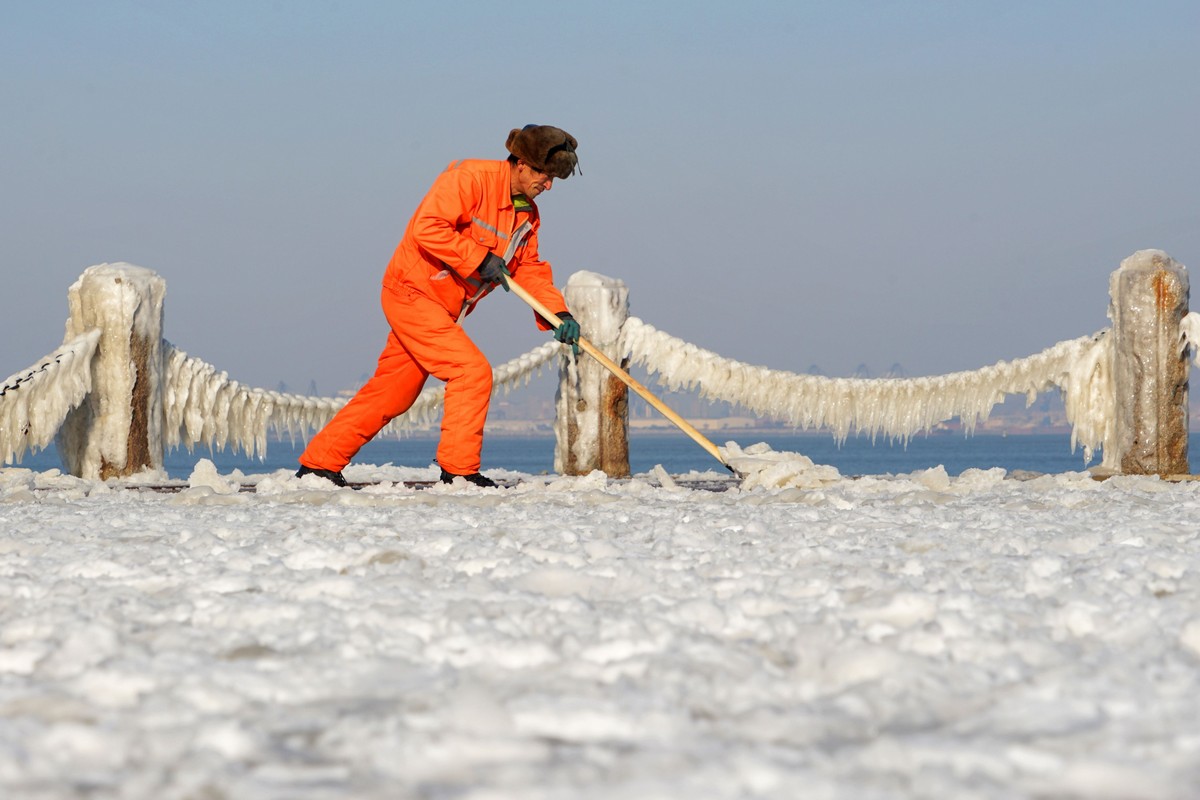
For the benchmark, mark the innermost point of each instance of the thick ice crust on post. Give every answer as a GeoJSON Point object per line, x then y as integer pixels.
{"type": "Point", "coordinates": [592, 406]}
{"type": "Point", "coordinates": [1149, 301]}
{"type": "Point", "coordinates": [117, 430]}
{"type": "Point", "coordinates": [600, 304]}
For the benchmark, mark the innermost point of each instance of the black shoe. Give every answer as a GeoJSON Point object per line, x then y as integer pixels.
{"type": "Point", "coordinates": [476, 478]}
{"type": "Point", "coordinates": [327, 474]}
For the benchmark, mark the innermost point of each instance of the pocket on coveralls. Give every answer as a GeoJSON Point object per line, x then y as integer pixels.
{"type": "Point", "coordinates": [448, 292]}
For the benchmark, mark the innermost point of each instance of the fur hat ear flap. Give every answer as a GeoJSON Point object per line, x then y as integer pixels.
{"type": "Point", "coordinates": [545, 148]}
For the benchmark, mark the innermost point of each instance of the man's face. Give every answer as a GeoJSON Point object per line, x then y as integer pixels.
{"type": "Point", "coordinates": [529, 182]}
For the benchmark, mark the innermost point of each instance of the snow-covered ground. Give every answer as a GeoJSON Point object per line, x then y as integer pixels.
{"type": "Point", "coordinates": [907, 636]}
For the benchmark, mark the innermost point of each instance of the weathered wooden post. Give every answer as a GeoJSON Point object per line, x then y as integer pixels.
{"type": "Point", "coordinates": [593, 405]}
{"type": "Point", "coordinates": [1150, 370]}
{"type": "Point", "coordinates": [117, 430]}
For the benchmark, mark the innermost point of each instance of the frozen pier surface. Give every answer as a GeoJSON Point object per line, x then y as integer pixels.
{"type": "Point", "coordinates": [915, 635]}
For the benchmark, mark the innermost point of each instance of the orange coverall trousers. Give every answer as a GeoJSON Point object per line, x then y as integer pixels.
{"type": "Point", "coordinates": [424, 340]}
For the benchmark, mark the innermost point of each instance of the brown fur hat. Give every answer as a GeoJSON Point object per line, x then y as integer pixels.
{"type": "Point", "coordinates": [545, 148]}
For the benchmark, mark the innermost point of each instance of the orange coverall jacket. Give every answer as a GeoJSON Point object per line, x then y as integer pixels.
{"type": "Point", "coordinates": [467, 213]}
{"type": "Point", "coordinates": [429, 284]}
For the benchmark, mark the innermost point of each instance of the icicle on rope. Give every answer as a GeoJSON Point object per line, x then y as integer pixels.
{"type": "Point", "coordinates": [894, 407]}
{"type": "Point", "coordinates": [34, 403]}
{"type": "Point", "coordinates": [1189, 326]}
{"type": "Point", "coordinates": [201, 405]}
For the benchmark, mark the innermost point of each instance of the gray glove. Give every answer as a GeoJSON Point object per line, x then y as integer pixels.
{"type": "Point", "coordinates": [494, 270]}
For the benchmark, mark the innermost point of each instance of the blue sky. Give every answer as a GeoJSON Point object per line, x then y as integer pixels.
{"type": "Point", "coordinates": [939, 185]}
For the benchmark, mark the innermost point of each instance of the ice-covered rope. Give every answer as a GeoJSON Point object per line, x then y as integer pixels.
{"type": "Point", "coordinates": [34, 402]}
{"type": "Point", "coordinates": [1189, 326]}
{"type": "Point", "coordinates": [203, 406]}
{"type": "Point", "coordinates": [893, 407]}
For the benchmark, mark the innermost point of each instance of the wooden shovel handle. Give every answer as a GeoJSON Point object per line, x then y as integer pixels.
{"type": "Point", "coordinates": [625, 377]}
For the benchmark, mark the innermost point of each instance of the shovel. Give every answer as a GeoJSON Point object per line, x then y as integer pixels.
{"type": "Point", "coordinates": [625, 377]}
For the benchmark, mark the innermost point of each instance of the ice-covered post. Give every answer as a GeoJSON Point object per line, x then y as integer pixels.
{"type": "Point", "coordinates": [1150, 370]}
{"type": "Point", "coordinates": [592, 405]}
{"type": "Point", "coordinates": [117, 430]}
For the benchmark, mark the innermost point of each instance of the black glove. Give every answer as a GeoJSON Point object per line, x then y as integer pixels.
{"type": "Point", "coordinates": [568, 331]}
{"type": "Point", "coordinates": [494, 270]}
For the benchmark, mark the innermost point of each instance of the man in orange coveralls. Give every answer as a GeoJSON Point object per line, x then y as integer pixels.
{"type": "Point", "coordinates": [477, 224]}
